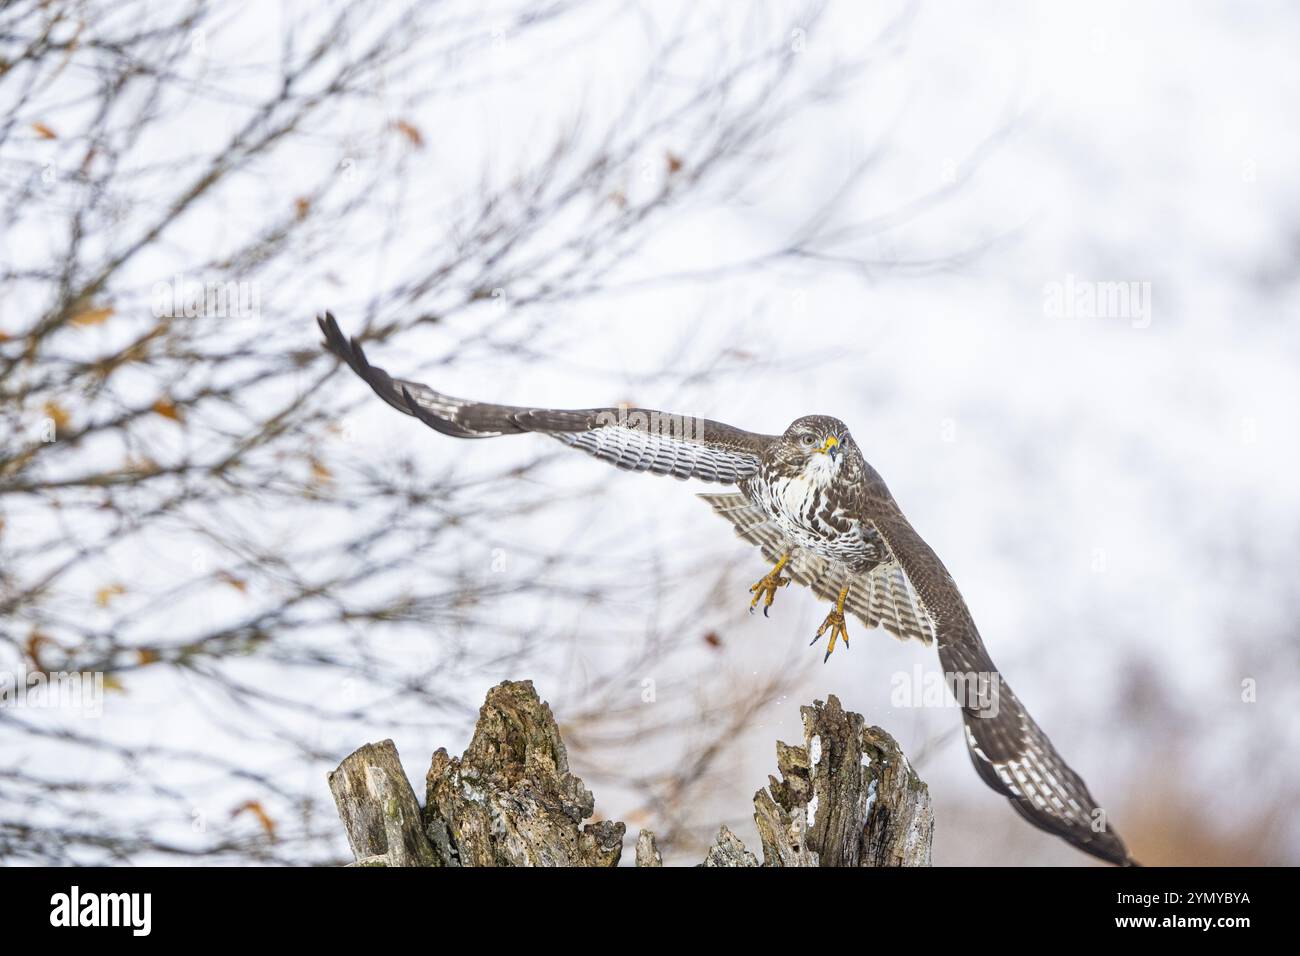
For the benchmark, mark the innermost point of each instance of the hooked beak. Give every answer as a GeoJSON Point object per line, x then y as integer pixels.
{"type": "Point", "coordinates": [831, 446]}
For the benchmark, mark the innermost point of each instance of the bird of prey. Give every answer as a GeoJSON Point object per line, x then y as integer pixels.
{"type": "Point", "coordinates": [825, 519]}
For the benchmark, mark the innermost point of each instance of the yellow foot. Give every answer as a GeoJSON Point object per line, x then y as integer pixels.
{"type": "Point", "coordinates": [766, 587]}
{"type": "Point", "coordinates": [835, 622]}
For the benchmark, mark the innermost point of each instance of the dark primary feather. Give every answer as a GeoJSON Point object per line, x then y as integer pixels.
{"type": "Point", "coordinates": [635, 439]}
{"type": "Point", "coordinates": [1010, 751]}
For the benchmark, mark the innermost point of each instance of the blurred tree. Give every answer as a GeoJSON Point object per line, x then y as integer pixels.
{"type": "Point", "coordinates": [187, 508]}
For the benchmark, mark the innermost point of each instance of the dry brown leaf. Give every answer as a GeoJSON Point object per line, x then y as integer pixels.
{"type": "Point", "coordinates": [44, 132]}
{"type": "Point", "coordinates": [674, 162]}
{"type": "Point", "coordinates": [88, 317]}
{"type": "Point", "coordinates": [301, 206]}
{"type": "Point", "coordinates": [167, 409]}
{"type": "Point", "coordinates": [58, 414]}
{"type": "Point", "coordinates": [35, 641]}
{"type": "Point", "coordinates": [256, 809]}
{"type": "Point", "coordinates": [141, 466]}
{"type": "Point", "coordinates": [148, 656]}
{"type": "Point", "coordinates": [104, 596]}
{"type": "Point", "coordinates": [413, 135]}
{"type": "Point", "coordinates": [319, 472]}
{"type": "Point", "coordinates": [111, 682]}
{"type": "Point", "coordinates": [239, 584]}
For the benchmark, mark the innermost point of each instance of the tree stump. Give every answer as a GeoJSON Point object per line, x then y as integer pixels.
{"type": "Point", "coordinates": [847, 797]}
{"type": "Point", "coordinates": [379, 809]}
{"type": "Point", "coordinates": [510, 800]}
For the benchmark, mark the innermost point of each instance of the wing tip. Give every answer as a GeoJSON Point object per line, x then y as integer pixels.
{"type": "Point", "coordinates": [329, 328]}
{"type": "Point", "coordinates": [1111, 850]}
{"type": "Point", "coordinates": [347, 349]}
{"type": "Point", "coordinates": [1104, 844]}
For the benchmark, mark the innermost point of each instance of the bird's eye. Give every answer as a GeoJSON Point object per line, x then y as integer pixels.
{"type": "Point", "coordinates": [808, 439]}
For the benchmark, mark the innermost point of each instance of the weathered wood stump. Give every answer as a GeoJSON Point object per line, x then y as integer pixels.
{"type": "Point", "coordinates": [847, 797]}
{"type": "Point", "coordinates": [379, 809]}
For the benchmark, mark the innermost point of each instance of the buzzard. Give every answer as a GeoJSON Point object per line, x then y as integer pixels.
{"type": "Point", "coordinates": [824, 518]}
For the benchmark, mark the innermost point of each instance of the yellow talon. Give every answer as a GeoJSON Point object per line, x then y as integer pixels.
{"type": "Point", "coordinates": [834, 621]}
{"type": "Point", "coordinates": [766, 586]}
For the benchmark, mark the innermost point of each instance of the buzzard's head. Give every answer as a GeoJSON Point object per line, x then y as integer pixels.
{"type": "Point", "coordinates": [815, 446]}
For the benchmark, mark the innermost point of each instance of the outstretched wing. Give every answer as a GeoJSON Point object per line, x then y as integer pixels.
{"type": "Point", "coordinates": [1010, 751]}
{"type": "Point", "coordinates": [880, 596]}
{"type": "Point", "coordinates": [635, 439]}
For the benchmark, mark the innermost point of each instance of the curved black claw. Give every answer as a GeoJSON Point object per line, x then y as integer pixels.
{"type": "Point", "coordinates": [839, 631]}
{"type": "Point", "coordinates": [764, 589]}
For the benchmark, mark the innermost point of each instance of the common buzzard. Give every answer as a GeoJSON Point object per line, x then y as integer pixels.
{"type": "Point", "coordinates": [824, 518]}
